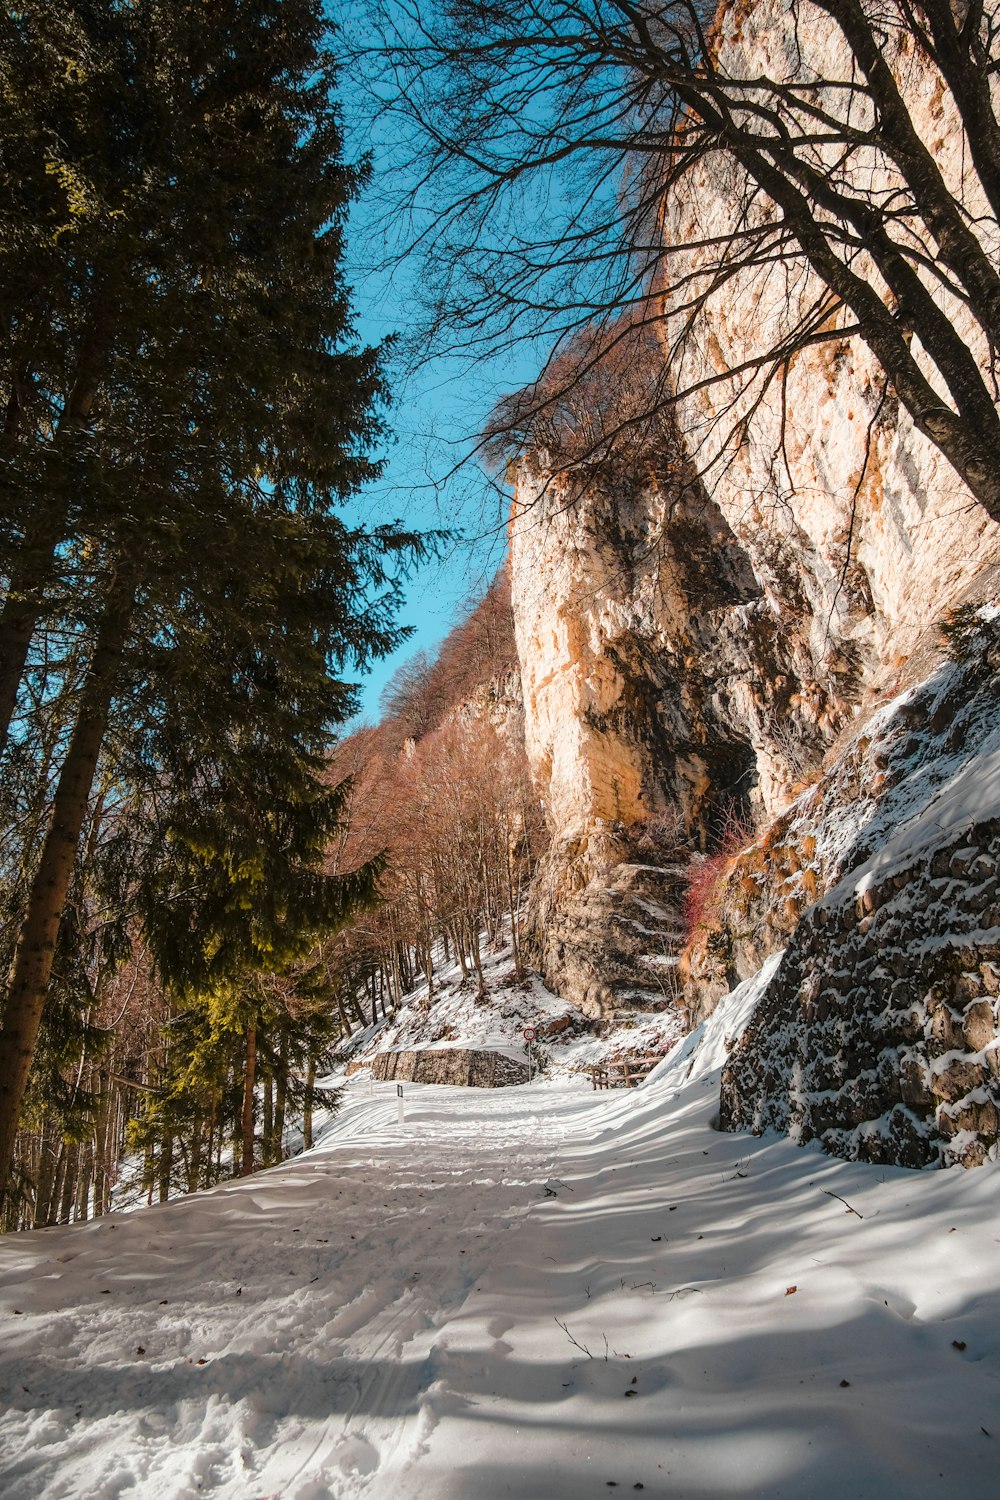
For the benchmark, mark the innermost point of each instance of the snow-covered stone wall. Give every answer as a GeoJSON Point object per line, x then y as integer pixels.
{"type": "Point", "coordinates": [880, 1032]}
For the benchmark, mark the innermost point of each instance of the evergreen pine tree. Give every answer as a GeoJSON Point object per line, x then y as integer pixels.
{"type": "Point", "coordinates": [199, 415]}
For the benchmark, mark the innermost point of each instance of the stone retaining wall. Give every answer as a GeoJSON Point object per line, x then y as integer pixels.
{"type": "Point", "coordinates": [466, 1067]}
{"type": "Point", "coordinates": [879, 1033]}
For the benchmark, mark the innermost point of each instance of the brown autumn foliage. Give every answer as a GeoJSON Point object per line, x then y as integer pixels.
{"type": "Point", "coordinates": [446, 794]}
{"type": "Point", "coordinates": [603, 396]}
{"type": "Point", "coordinates": [480, 649]}
{"type": "Point", "coordinates": [447, 797]}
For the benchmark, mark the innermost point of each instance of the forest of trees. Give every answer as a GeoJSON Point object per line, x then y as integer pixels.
{"type": "Point", "coordinates": [181, 1088]}
{"type": "Point", "coordinates": [441, 784]}
{"type": "Point", "coordinates": [200, 888]}
{"type": "Point", "coordinates": [184, 410]}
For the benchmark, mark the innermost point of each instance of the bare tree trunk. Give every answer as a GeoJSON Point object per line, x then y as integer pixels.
{"type": "Point", "coordinates": [281, 1098]}
{"type": "Point", "coordinates": [48, 1161]}
{"type": "Point", "coordinates": [58, 1178]}
{"type": "Point", "coordinates": [307, 1107]}
{"type": "Point", "coordinates": [267, 1123]}
{"type": "Point", "coordinates": [460, 950]}
{"type": "Point", "coordinates": [194, 1160]}
{"type": "Point", "coordinates": [207, 1173]}
{"type": "Point", "coordinates": [70, 1166]}
{"type": "Point", "coordinates": [513, 903]}
{"type": "Point", "coordinates": [249, 1078]}
{"type": "Point", "coordinates": [355, 1006]}
{"type": "Point", "coordinates": [476, 958]}
{"type": "Point", "coordinates": [36, 562]}
{"type": "Point", "coordinates": [84, 1181]}
{"type": "Point", "coordinates": [148, 1173]}
{"type": "Point", "coordinates": [166, 1166]}
{"type": "Point", "coordinates": [344, 1019]}
{"type": "Point", "coordinates": [37, 939]}
{"type": "Point", "coordinates": [103, 1132]}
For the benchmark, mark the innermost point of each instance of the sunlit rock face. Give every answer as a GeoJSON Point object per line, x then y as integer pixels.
{"type": "Point", "coordinates": [669, 691]}
{"type": "Point", "coordinates": [692, 643]}
{"type": "Point", "coordinates": [829, 478]}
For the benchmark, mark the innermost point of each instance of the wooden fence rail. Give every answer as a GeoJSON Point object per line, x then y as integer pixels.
{"type": "Point", "coordinates": [624, 1072]}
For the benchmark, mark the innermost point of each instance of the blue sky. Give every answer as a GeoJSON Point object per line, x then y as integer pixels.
{"type": "Point", "coordinates": [437, 410]}
{"type": "Point", "coordinates": [436, 413]}
{"type": "Point", "coordinates": [434, 417]}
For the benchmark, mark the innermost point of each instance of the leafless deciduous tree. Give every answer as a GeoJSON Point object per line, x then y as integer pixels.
{"type": "Point", "coordinates": [560, 148]}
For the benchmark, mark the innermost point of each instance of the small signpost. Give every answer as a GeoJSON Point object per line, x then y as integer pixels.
{"type": "Point", "coordinates": [529, 1034]}
{"type": "Point", "coordinates": [399, 1102]}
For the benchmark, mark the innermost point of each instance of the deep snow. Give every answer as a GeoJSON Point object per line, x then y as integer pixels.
{"type": "Point", "coordinates": [537, 1291]}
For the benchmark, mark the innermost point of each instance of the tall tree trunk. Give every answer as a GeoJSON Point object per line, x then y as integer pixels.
{"type": "Point", "coordinates": [85, 1179]}
{"type": "Point", "coordinates": [355, 1006]}
{"type": "Point", "coordinates": [249, 1078]}
{"type": "Point", "coordinates": [280, 1099]}
{"type": "Point", "coordinates": [166, 1165]}
{"type": "Point", "coordinates": [307, 1107]}
{"type": "Point", "coordinates": [48, 1161]}
{"type": "Point", "coordinates": [513, 903]}
{"type": "Point", "coordinates": [103, 1130]}
{"type": "Point", "coordinates": [194, 1159]}
{"type": "Point", "coordinates": [36, 943]}
{"type": "Point", "coordinates": [58, 1178]}
{"type": "Point", "coordinates": [207, 1171]}
{"type": "Point", "coordinates": [36, 562]}
{"type": "Point", "coordinates": [267, 1123]}
{"type": "Point", "coordinates": [345, 1020]}
{"type": "Point", "coordinates": [71, 1166]}
{"type": "Point", "coordinates": [476, 958]}
{"type": "Point", "coordinates": [148, 1173]}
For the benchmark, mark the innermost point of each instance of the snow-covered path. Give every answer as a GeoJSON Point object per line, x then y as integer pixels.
{"type": "Point", "coordinates": [537, 1292]}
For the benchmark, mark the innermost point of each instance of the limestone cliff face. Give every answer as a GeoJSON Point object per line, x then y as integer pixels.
{"type": "Point", "coordinates": [692, 645]}
{"type": "Point", "coordinates": [680, 671]}
{"type": "Point", "coordinates": [830, 477]}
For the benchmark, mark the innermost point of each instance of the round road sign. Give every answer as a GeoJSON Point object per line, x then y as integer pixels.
{"type": "Point", "coordinates": [530, 1033]}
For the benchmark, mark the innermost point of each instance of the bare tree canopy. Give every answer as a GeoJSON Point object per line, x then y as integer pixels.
{"type": "Point", "coordinates": [631, 163]}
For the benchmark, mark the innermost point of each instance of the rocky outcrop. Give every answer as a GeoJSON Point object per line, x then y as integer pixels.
{"type": "Point", "coordinates": [829, 478]}
{"type": "Point", "coordinates": [708, 631]}
{"type": "Point", "coordinates": [675, 682]}
{"type": "Point", "coordinates": [465, 1066]}
{"type": "Point", "coordinates": [666, 693]}
{"type": "Point", "coordinates": [697, 633]}
{"type": "Point", "coordinates": [879, 1033]}
{"type": "Point", "coordinates": [605, 929]}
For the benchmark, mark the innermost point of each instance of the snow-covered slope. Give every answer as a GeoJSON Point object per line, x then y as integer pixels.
{"type": "Point", "coordinates": [456, 1017]}
{"type": "Point", "coordinates": [537, 1291]}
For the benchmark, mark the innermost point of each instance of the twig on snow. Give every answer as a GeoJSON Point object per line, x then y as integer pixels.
{"type": "Point", "coordinates": [576, 1342]}
{"type": "Point", "coordinates": [844, 1201]}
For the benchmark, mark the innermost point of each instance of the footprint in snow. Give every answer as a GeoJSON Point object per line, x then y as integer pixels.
{"type": "Point", "coordinates": [356, 1455]}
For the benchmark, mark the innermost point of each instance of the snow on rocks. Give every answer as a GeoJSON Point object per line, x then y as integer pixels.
{"type": "Point", "coordinates": [880, 1034]}
{"type": "Point", "coordinates": [454, 1017]}
{"type": "Point", "coordinates": [537, 1291]}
